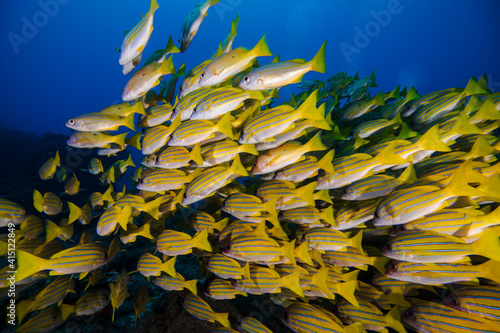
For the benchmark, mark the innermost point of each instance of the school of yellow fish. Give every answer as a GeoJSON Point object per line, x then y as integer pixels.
{"type": "Point", "coordinates": [372, 208]}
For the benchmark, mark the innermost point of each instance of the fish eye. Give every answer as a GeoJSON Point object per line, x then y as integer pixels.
{"type": "Point", "coordinates": [245, 78]}
{"type": "Point", "coordinates": [71, 121]}
{"type": "Point", "coordinates": [202, 75]}
{"type": "Point", "coordinates": [388, 247]}
{"type": "Point", "coordinates": [402, 227]}
{"type": "Point", "coordinates": [376, 215]}
{"type": "Point", "coordinates": [393, 267]}
{"type": "Point", "coordinates": [455, 301]}
{"type": "Point", "coordinates": [194, 110]}
{"type": "Point", "coordinates": [123, 90]}
{"type": "Point", "coordinates": [180, 89]}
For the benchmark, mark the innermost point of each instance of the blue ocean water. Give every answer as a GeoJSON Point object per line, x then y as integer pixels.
{"type": "Point", "coordinates": [59, 58]}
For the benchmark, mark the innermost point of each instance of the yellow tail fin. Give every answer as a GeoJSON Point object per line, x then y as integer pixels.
{"type": "Point", "coordinates": [306, 193]}
{"type": "Point", "coordinates": [315, 144]}
{"type": "Point", "coordinates": [262, 49]}
{"type": "Point", "coordinates": [325, 163]}
{"type": "Point", "coordinates": [237, 168]}
{"type": "Point", "coordinates": [318, 63]}
{"type": "Point", "coordinates": [289, 253]}
{"type": "Point", "coordinates": [355, 241]}
{"type": "Point", "coordinates": [169, 267]}
{"type": "Point", "coordinates": [152, 207]}
{"type": "Point", "coordinates": [200, 241]}
{"type": "Point", "coordinates": [195, 154]}
{"type": "Point", "coordinates": [120, 139]}
{"type": "Point", "coordinates": [222, 318]}
{"type": "Point", "coordinates": [38, 200]}
{"type": "Point", "coordinates": [302, 252]}
{"type": "Point", "coordinates": [292, 282]}
{"type": "Point", "coordinates": [346, 290]}
{"type": "Point", "coordinates": [488, 245]}
{"type": "Point", "coordinates": [393, 320]}
{"type": "Point", "coordinates": [153, 6]}
{"type": "Point", "coordinates": [57, 159]}
{"type": "Point", "coordinates": [308, 110]}
{"type": "Point", "coordinates": [128, 121]}
{"type": "Point", "coordinates": [74, 212]}
{"type": "Point", "coordinates": [191, 286]}
{"type": "Point", "coordinates": [224, 125]}
{"type": "Point", "coordinates": [167, 66]}
{"type": "Point", "coordinates": [28, 264]}
{"type": "Point", "coordinates": [431, 141]}
{"type": "Point", "coordinates": [52, 230]}
{"type": "Point", "coordinates": [327, 215]}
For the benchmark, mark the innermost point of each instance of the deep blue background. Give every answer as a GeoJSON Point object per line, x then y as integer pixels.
{"type": "Point", "coordinates": [70, 66]}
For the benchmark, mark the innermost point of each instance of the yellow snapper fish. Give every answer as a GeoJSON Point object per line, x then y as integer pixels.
{"type": "Point", "coordinates": [156, 115]}
{"type": "Point", "coordinates": [202, 220]}
{"type": "Point", "coordinates": [266, 280]}
{"type": "Point", "coordinates": [11, 212]}
{"type": "Point", "coordinates": [268, 123]}
{"type": "Point", "coordinates": [133, 232]}
{"type": "Point", "coordinates": [282, 73]}
{"type": "Point", "coordinates": [476, 300]}
{"type": "Point", "coordinates": [99, 122]}
{"type": "Point", "coordinates": [223, 151]}
{"type": "Point", "coordinates": [49, 168]}
{"type": "Point", "coordinates": [72, 186]}
{"type": "Point", "coordinates": [137, 38]}
{"type": "Point", "coordinates": [303, 317]}
{"type": "Point", "coordinates": [118, 292]}
{"type": "Point", "coordinates": [150, 265]}
{"type": "Point", "coordinates": [166, 180]}
{"type": "Point", "coordinates": [146, 78]}
{"type": "Point", "coordinates": [192, 132]}
{"type": "Point", "coordinates": [124, 109]}
{"type": "Point", "coordinates": [212, 179]}
{"type": "Point", "coordinates": [442, 273]}
{"type": "Point", "coordinates": [222, 289]}
{"type": "Point", "coordinates": [190, 82]}
{"type": "Point", "coordinates": [193, 22]}
{"type": "Point", "coordinates": [425, 246]}
{"type": "Point", "coordinates": [51, 294]}
{"type": "Point", "coordinates": [457, 222]}
{"type": "Point", "coordinates": [226, 268]}
{"type": "Point", "coordinates": [187, 104]}
{"type": "Point", "coordinates": [95, 140]}
{"type": "Point", "coordinates": [370, 316]}
{"type": "Point", "coordinates": [49, 203]}
{"type": "Point", "coordinates": [88, 304]}
{"type": "Point", "coordinates": [377, 185]}
{"type": "Point", "coordinates": [31, 227]}
{"type": "Point", "coordinates": [435, 317]}
{"type": "Point", "coordinates": [286, 154]}
{"type": "Point", "coordinates": [223, 101]}
{"type": "Point", "coordinates": [415, 202]}
{"type": "Point", "coordinates": [52, 230]}
{"type": "Point", "coordinates": [173, 243]}
{"type": "Point", "coordinates": [197, 307]}
{"type": "Point", "coordinates": [258, 246]}
{"type": "Point", "coordinates": [45, 321]}
{"type": "Point", "coordinates": [231, 63]}
{"type": "Point", "coordinates": [76, 259]}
